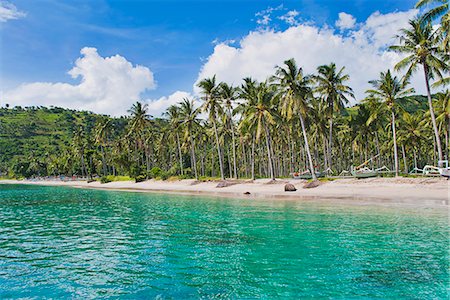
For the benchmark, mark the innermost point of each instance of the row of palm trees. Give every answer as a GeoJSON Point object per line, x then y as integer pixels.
{"type": "Point", "coordinates": [292, 121]}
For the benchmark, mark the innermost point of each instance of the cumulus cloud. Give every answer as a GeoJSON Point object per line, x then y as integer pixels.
{"type": "Point", "coordinates": [107, 85]}
{"type": "Point", "coordinates": [345, 21]}
{"type": "Point", "coordinates": [158, 107]}
{"type": "Point", "coordinates": [361, 51]}
{"type": "Point", "coordinates": [9, 12]}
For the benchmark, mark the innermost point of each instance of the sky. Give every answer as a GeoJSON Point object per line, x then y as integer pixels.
{"type": "Point", "coordinates": [104, 55]}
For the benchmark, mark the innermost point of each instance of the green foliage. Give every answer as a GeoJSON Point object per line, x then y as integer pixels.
{"type": "Point", "coordinates": [104, 179]}
{"type": "Point", "coordinates": [140, 178]}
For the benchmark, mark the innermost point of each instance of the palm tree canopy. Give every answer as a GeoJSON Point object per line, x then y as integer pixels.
{"type": "Point", "coordinates": [387, 90]}
{"type": "Point", "coordinates": [294, 88]}
{"type": "Point", "coordinates": [420, 42]}
{"type": "Point", "coordinates": [212, 101]}
{"type": "Point", "coordinates": [331, 86]}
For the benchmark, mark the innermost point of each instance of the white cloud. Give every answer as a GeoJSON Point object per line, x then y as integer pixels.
{"type": "Point", "coordinates": [158, 107]}
{"type": "Point", "coordinates": [345, 21]}
{"type": "Point", "coordinates": [380, 30]}
{"type": "Point", "coordinates": [264, 16]}
{"type": "Point", "coordinates": [9, 12]}
{"type": "Point", "coordinates": [361, 51]}
{"type": "Point", "coordinates": [290, 17]}
{"type": "Point", "coordinates": [108, 85]}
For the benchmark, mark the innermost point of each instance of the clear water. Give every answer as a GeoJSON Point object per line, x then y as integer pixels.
{"type": "Point", "coordinates": [71, 243]}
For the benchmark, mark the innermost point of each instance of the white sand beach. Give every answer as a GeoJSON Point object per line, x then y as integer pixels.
{"type": "Point", "coordinates": [388, 191]}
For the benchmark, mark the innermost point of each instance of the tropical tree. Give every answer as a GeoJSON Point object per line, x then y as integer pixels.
{"type": "Point", "coordinates": [388, 90]}
{"type": "Point", "coordinates": [189, 117]}
{"type": "Point", "coordinates": [295, 91]}
{"type": "Point", "coordinates": [173, 113]}
{"type": "Point", "coordinates": [420, 44]}
{"type": "Point", "coordinates": [212, 105]}
{"type": "Point", "coordinates": [102, 131]}
{"type": "Point", "coordinates": [228, 95]}
{"type": "Point", "coordinates": [333, 91]}
{"type": "Point", "coordinates": [439, 9]}
{"type": "Point", "coordinates": [259, 113]}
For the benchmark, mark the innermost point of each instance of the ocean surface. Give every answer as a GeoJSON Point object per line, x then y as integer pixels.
{"type": "Point", "coordinates": [59, 242]}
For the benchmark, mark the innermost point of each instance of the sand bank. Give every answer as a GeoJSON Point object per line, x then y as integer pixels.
{"type": "Point", "coordinates": [392, 191]}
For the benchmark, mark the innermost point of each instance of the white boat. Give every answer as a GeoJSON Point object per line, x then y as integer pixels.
{"type": "Point", "coordinates": [444, 170]}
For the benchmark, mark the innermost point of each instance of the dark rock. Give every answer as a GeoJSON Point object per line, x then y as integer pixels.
{"type": "Point", "coordinates": [225, 183]}
{"type": "Point", "coordinates": [289, 187]}
{"type": "Point", "coordinates": [247, 193]}
{"type": "Point", "coordinates": [312, 184]}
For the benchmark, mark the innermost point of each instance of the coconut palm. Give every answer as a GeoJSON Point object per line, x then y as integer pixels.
{"type": "Point", "coordinates": [439, 9]}
{"type": "Point", "coordinates": [420, 43]}
{"type": "Point", "coordinates": [259, 113]}
{"type": "Point", "coordinates": [248, 93]}
{"type": "Point", "coordinates": [173, 113]}
{"type": "Point", "coordinates": [295, 91]}
{"type": "Point", "coordinates": [443, 116]}
{"type": "Point", "coordinates": [228, 94]}
{"type": "Point", "coordinates": [212, 105]}
{"type": "Point", "coordinates": [333, 91]}
{"type": "Point", "coordinates": [189, 117]}
{"type": "Point", "coordinates": [388, 90]}
{"type": "Point", "coordinates": [102, 131]}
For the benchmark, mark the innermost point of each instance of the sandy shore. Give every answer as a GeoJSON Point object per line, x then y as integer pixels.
{"type": "Point", "coordinates": [393, 191]}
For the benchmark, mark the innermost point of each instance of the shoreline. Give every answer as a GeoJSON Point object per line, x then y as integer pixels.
{"type": "Point", "coordinates": [423, 192]}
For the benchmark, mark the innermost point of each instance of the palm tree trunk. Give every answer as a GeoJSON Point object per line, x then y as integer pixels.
{"type": "Point", "coordinates": [269, 152]}
{"type": "Point", "coordinates": [222, 174]}
{"type": "Point", "coordinates": [180, 154]}
{"type": "Point", "coordinates": [415, 158]}
{"type": "Point", "coordinates": [103, 161]}
{"type": "Point", "coordinates": [325, 156]}
{"type": "Point", "coordinates": [404, 159]}
{"type": "Point", "coordinates": [234, 147]}
{"type": "Point", "coordinates": [433, 118]}
{"type": "Point", "coordinates": [330, 141]}
{"type": "Point", "coordinates": [194, 162]}
{"type": "Point", "coordinates": [448, 138]}
{"type": "Point", "coordinates": [311, 166]}
{"type": "Point", "coordinates": [253, 158]}
{"type": "Point", "coordinates": [395, 144]}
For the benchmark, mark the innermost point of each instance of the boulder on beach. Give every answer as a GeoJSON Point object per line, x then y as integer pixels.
{"type": "Point", "coordinates": [289, 187]}
{"type": "Point", "coordinates": [225, 183]}
{"type": "Point", "coordinates": [312, 184]}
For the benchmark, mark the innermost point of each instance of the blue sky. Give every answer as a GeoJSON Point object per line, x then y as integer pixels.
{"type": "Point", "coordinates": [172, 38]}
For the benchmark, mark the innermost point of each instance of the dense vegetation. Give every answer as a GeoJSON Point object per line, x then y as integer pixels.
{"type": "Point", "coordinates": [292, 121]}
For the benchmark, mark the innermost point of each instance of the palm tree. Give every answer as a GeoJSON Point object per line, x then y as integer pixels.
{"type": "Point", "coordinates": [102, 131]}
{"type": "Point", "coordinates": [420, 43]}
{"type": "Point", "coordinates": [388, 90]}
{"type": "Point", "coordinates": [228, 94]}
{"type": "Point", "coordinates": [79, 145]}
{"type": "Point", "coordinates": [333, 91]}
{"type": "Point", "coordinates": [213, 107]}
{"type": "Point", "coordinates": [248, 92]}
{"type": "Point", "coordinates": [440, 9]}
{"type": "Point", "coordinates": [259, 113]}
{"type": "Point", "coordinates": [188, 115]}
{"type": "Point", "coordinates": [443, 116]}
{"type": "Point", "coordinates": [294, 89]}
{"type": "Point", "coordinates": [173, 113]}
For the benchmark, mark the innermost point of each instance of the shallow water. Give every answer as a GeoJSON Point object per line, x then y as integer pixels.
{"type": "Point", "coordinates": [59, 242]}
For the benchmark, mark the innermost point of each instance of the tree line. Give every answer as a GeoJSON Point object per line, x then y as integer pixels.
{"type": "Point", "coordinates": [288, 123]}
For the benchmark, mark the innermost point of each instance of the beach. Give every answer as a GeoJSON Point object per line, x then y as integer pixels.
{"type": "Point", "coordinates": [379, 191]}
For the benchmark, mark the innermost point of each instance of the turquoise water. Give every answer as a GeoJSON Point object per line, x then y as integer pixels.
{"type": "Point", "coordinates": [60, 242]}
